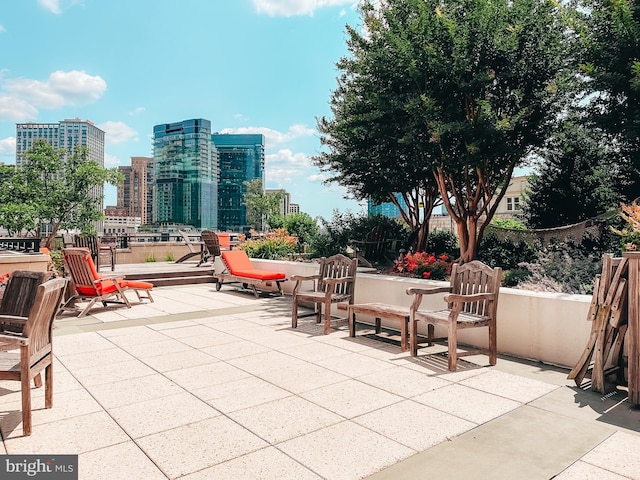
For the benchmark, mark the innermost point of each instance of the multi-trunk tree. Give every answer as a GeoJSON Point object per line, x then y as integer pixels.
{"type": "Point", "coordinates": [54, 189]}
{"type": "Point", "coordinates": [446, 98]}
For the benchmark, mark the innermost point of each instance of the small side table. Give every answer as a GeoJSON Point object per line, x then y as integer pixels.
{"type": "Point", "coordinates": [379, 311]}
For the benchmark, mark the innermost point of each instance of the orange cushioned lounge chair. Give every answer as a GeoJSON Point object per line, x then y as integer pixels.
{"type": "Point", "coordinates": [94, 287]}
{"type": "Point", "coordinates": [239, 269]}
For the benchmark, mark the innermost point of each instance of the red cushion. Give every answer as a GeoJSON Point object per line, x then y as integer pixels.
{"type": "Point", "coordinates": [240, 265]}
{"type": "Point", "coordinates": [259, 274]}
{"type": "Point", "coordinates": [136, 284]}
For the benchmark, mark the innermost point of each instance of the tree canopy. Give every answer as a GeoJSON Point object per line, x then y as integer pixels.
{"type": "Point", "coordinates": [260, 204]}
{"type": "Point", "coordinates": [446, 98]}
{"type": "Point", "coordinates": [54, 189]}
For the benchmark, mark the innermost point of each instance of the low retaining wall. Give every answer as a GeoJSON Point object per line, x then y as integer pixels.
{"type": "Point", "coordinates": [547, 327]}
{"type": "Point", "coordinates": [12, 261]}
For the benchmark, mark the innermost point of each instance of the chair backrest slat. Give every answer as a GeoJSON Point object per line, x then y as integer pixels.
{"type": "Point", "coordinates": [337, 266]}
{"type": "Point", "coordinates": [21, 291]}
{"type": "Point", "coordinates": [39, 326]}
{"type": "Point", "coordinates": [476, 277]}
{"type": "Point", "coordinates": [212, 242]}
{"type": "Point", "coordinates": [78, 264]}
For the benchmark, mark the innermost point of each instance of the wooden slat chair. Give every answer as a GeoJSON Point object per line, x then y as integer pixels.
{"type": "Point", "coordinates": [472, 302]}
{"type": "Point", "coordinates": [334, 283]}
{"type": "Point", "coordinates": [191, 245]}
{"type": "Point", "coordinates": [92, 243]}
{"type": "Point", "coordinates": [35, 353]}
{"type": "Point", "coordinates": [373, 249]}
{"type": "Point", "coordinates": [211, 245]}
{"type": "Point", "coordinates": [18, 298]}
{"type": "Point", "coordinates": [93, 287]}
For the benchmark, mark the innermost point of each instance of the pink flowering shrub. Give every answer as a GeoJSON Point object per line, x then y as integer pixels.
{"type": "Point", "coordinates": [424, 265]}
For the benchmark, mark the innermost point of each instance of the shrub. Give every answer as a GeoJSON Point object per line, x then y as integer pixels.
{"type": "Point", "coordinates": [506, 253]}
{"type": "Point", "coordinates": [443, 241]}
{"type": "Point", "coordinates": [424, 265]}
{"type": "Point", "coordinates": [275, 245]}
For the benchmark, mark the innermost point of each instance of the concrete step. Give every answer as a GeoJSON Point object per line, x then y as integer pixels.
{"type": "Point", "coordinates": [169, 278]}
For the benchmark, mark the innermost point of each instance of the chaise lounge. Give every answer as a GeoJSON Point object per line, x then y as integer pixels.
{"type": "Point", "coordinates": [239, 269]}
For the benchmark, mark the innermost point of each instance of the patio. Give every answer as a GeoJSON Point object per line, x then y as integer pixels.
{"type": "Point", "coordinates": [204, 384]}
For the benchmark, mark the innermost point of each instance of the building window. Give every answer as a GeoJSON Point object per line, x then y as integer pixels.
{"type": "Point", "coordinates": [513, 203]}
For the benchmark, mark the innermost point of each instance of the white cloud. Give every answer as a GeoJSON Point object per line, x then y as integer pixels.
{"type": "Point", "coordinates": [288, 158]}
{"type": "Point", "coordinates": [52, 5]}
{"type": "Point", "coordinates": [2, 29]}
{"type": "Point", "coordinates": [273, 137]}
{"type": "Point", "coordinates": [20, 98]}
{"type": "Point", "coordinates": [137, 111]}
{"type": "Point", "coordinates": [316, 178]}
{"type": "Point", "coordinates": [111, 161]}
{"type": "Point", "coordinates": [290, 8]}
{"type": "Point", "coordinates": [8, 146]}
{"type": "Point", "coordinates": [117, 132]}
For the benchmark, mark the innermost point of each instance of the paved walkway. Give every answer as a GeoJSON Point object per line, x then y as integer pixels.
{"type": "Point", "coordinates": [206, 385]}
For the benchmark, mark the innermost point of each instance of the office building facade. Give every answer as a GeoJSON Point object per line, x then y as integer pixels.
{"type": "Point", "coordinates": [65, 134]}
{"type": "Point", "coordinates": [241, 160]}
{"type": "Point", "coordinates": [134, 193]}
{"type": "Point", "coordinates": [184, 175]}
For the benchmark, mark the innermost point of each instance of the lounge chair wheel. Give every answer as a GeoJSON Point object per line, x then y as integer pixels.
{"type": "Point", "coordinates": [245, 285]}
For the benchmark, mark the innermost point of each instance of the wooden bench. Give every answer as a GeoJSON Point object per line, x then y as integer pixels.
{"type": "Point", "coordinates": [380, 311]}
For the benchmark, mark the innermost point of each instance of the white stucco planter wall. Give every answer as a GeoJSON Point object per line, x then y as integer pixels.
{"type": "Point", "coordinates": [548, 327]}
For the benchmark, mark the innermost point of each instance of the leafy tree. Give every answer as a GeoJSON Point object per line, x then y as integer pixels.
{"type": "Point", "coordinates": [50, 189]}
{"type": "Point", "coordinates": [456, 92]}
{"type": "Point", "coordinates": [576, 179]}
{"type": "Point", "coordinates": [301, 225]}
{"type": "Point", "coordinates": [612, 67]}
{"type": "Point", "coordinates": [260, 205]}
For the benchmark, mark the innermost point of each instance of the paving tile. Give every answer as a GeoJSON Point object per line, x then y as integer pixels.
{"type": "Point", "coordinates": [209, 339]}
{"type": "Point", "coordinates": [94, 359]}
{"type": "Point", "coordinates": [350, 398]}
{"type": "Point", "coordinates": [159, 327]}
{"type": "Point", "coordinates": [236, 349]}
{"type": "Point", "coordinates": [140, 389]}
{"type": "Point", "coordinates": [145, 350]}
{"type": "Point", "coordinates": [285, 418]}
{"type": "Point", "coordinates": [201, 376]}
{"type": "Point", "coordinates": [354, 364]}
{"type": "Point", "coordinates": [71, 435]}
{"type": "Point", "coordinates": [264, 362]}
{"type": "Point", "coordinates": [80, 343]}
{"type": "Point", "coordinates": [618, 454]}
{"type": "Point", "coordinates": [414, 425]}
{"type": "Point", "coordinates": [159, 414]}
{"type": "Point", "coordinates": [200, 445]}
{"type": "Point", "coordinates": [187, 331]}
{"type": "Point", "coordinates": [464, 402]}
{"type": "Point", "coordinates": [404, 382]}
{"type": "Point", "coordinates": [112, 372]}
{"type": "Point", "coordinates": [345, 451]}
{"type": "Point", "coordinates": [509, 386]}
{"type": "Point", "coordinates": [303, 377]}
{"type": "Point", "coordinates": [314, 351]}
{"type": "Point", "coordinates": [124, 460]}
{"type": "Point", "coordinates": [585, 471]}
{"type": "Point", "coordinates": [266, 464]}
{"type": "Point", "coordinates": [179, 360]}
{"type": "Point", "coordinates": [238, 394]}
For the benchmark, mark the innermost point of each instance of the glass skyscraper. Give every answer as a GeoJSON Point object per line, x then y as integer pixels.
{"type": "Point", "coordinates": [241, 160]}
{"type": "Point", "coordinates": [185, 174]}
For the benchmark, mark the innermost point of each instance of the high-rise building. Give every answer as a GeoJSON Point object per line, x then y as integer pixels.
{"type": "Point", "coordinates": [134, 193]}
{"type": "Point", "coordinates": [65, 134]}
{"type": "Point", "coordinates": [284, 203]}
{"type": "Point", "coordinates": [185, 174]}
{"type": "Point", "coordinates": [241, 160]}
{"type": "Point", "coordinates": [387, 209]}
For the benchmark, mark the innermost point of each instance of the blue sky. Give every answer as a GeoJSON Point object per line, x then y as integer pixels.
{"type": "Point", "coordinates": [249, 66]}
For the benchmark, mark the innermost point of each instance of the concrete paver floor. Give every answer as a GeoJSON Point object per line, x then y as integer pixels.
{"type": "Point", "coordinates": [204, 385]}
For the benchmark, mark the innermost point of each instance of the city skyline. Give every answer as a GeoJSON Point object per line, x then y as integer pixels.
{"type": "Point", "coordinates": [250, 66]}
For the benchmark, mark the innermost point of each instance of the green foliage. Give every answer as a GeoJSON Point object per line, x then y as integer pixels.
{"type": "Point", "coordinates": [334, 235]}
{"type": "Point", "coordinates": [274, 245]}
{"type": "Point", "coordinates": [260, 205]}
{"type": "Point", "coordinates": [53, 189]}
{"type": "Point", "coordinates": [508, 223]}
{"type": "Point", "coordinates": [151, 258]}
{"type": "Point", "coordinates": [170, 257]}
{"type": "Point", "coordinates": [577, 178]}
{"type": "Point", "coordinates": [443, 242]}
{"type": "Point", "coordinates": [300, 225]}
{"type": "Point", "coordinates": [458, 91]}
{"type": "Point", "coordinates": [515, 276]}
{"type": "Point", "coordinates": [507, 253]}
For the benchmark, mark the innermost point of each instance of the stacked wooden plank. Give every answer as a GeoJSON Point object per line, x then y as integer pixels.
{"type": "Point", "coordinates": [608, 314]}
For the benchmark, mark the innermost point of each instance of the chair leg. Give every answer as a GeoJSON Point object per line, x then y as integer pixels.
{"type": "Point", "coordinates": [48, 386]}
{"type": "Point", "coordinates": [493, 343]}
{"type": "Point", "coordinates": [294, 313]}
{"type": "Point", "coordinates": [26, 404]}
{"type": "Point", "coordinates": [453, 346]}
{"type": "Point", "coordinates": [37, 381]}
{"type": "Point", "coordinates": [327, 318]}
{"type": "Point", "coordinates": [413, 336]}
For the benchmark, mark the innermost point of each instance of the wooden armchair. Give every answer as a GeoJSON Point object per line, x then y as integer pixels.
{"type": "Point", "coordinates": [334, 283]}
{"type": "Point", "coordinates": [211, 245]}
{"type": "Point", "coordinates": [97, 249]}
{"type": "Point", "coordinates": [191, 245]}
{"type": "Point", "coordinates": [18, 299]}
{"type": "Point", "coordinates": [373, 249]}
{"type": "Point", "coordinates": [472, 301]}
{"type": "Point", "coordinates": [35, 352]}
